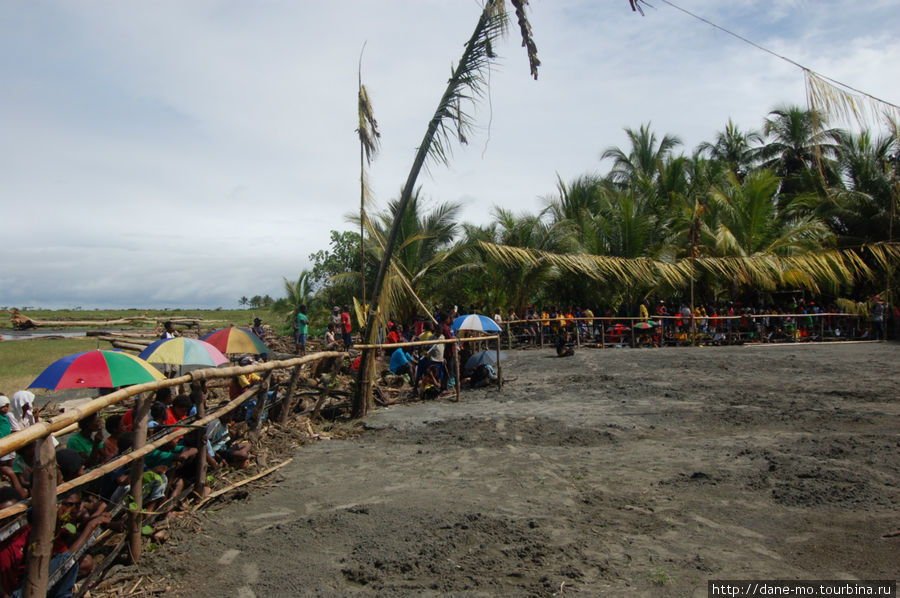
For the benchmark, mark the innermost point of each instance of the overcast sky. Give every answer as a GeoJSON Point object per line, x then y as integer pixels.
{"type": "Point", "coordinates": [183, 154]}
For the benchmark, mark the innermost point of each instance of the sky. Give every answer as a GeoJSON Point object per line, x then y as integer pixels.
{"type": "Point", "coordinates": [186, 154]}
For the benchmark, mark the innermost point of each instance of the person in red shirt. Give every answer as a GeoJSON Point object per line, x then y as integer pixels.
{"type": "Point", "coordinates": [13, 550]}
{"type": "Point", "coordinates": [347, 327]}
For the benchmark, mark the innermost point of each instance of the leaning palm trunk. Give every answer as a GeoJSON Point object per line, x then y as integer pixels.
{"type": "Point", "coordinates": [466, 82]}
{"type": "Point", "coordinates": [368, 146]}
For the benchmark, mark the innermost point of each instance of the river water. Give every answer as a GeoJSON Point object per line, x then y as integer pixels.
{"type": "Point", "coordinates": [19, 335]}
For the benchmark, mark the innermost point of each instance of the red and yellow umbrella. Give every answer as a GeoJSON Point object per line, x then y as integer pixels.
{"type": "Point", "coordinates": [236, 340]}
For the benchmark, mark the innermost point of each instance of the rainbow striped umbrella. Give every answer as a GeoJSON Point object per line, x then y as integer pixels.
{"type": "Point", "coordinates": [96, 369]}
{"type": "Point", "coordinates": [189, 353]}
{"type": "Point", "coordinates": [236, 340]}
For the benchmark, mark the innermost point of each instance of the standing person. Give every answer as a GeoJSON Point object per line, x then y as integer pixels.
{"type": "Point", "coordinates": [336, 317]}
{"type": "Point", "coordinates": [347, 327]}
{"type": "Point", "coordinates": [877, 319]}
{"type": "Point", "coordinates": [302, 325]}
{"type": "Point", "coordinates": [170, 370]}
{"type": "Point", "coordinates": [446, 332]}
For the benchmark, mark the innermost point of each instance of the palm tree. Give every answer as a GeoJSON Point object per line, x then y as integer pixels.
{"type": "Point", "coordinates": [863, 208]}
{"type": "Point", "coordinates": [799, 151]}
{"type": "Point", "coordinates": [297, 293]}
{"type": "Point", "coordinates": [467, 82]}
{"type": "Point", "coordinates": [369, 143]}
{"type": "Point", "coordinates": [736, 149]}
{"type": "Point", "coordinates": [483, 280]}
{"type": "Point", "coordinates": [644, 157]}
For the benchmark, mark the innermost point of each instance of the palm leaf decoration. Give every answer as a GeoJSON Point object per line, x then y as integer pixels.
{"type": "Point", "coordinates": [763, 270]}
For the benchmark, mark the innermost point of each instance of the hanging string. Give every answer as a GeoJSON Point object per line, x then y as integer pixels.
{"type": "Point", "coordinates": [777, 55]}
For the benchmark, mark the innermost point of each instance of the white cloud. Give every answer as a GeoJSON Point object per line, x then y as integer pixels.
{"type": "Point", "coordinates": [188, 153]}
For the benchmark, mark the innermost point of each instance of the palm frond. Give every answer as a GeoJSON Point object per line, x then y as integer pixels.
{"type": "Point", "coordinates": [527, 38]}
{"type": "Point", "coordinates": [466, 85]}
{"type": "Point", "coordinates": [827, 98]}
{"type": "Point", "coordinates": [762, 270]}
{"type": "Point", "coordinates": [369, 135]}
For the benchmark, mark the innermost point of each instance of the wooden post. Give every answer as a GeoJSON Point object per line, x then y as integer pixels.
{"type": "Point", "coordinates": [577, 334]}
{"type": "Point", "coordinates": [822, 327]}
{"type": "Point", "coordinates": [262, 396]}
{"type": "Point", "coordinates": [541, 333]}
{"type": "Point", "coordinates": [458, 380]}
{"type": "Point", "coordinates": [287, 405]}
{"type": "Point", "coordinates": [43, 520]}
{"type": "Point", "coordinates": [631, 323]}
{"type": "Point", "coordinates": [135, 518]}
{"type": "Point", "coordinates": [602, 335]}
{"type": "Point", "coordinates": [499, 367]}
{"type": "Point", "coordinates": [200, 483]}
{"type": "Point", "coordinates": [508, 336]}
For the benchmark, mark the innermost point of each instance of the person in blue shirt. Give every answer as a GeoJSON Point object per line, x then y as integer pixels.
{"type": "Point", "coordinates": [401, 363]}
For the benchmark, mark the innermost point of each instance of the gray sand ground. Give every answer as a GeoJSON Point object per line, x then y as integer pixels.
{"type": "Point", "coordinates": [614, 472]}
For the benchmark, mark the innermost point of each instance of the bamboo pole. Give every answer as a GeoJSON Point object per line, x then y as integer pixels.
{"type": "Point", "coordinates": [429, 342]}
{"type": "Point", "coordinates": [287, 404]}
{"type": "Point", "coordinates": [200, 473]}
{"type": "Point", "coordinates": [499, 367]}
{"type": "Point", "coordinates": [43, 520]}
{"type": "Point", "coordinates": [262, 397]}
{"type": "Point", "coordinates": [458, 379]}
{"type": "Point", "coordinates": [243, 482]}
{"type": "Point", "coordinates": [135, 518]}
{"type": "Point", "coordinates": [577, 334]}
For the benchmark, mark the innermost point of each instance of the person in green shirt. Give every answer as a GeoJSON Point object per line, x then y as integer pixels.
{"type": "Point", "coordinates": [302, 329]}
{"type": "Point", "coordinates": [88, 440]}
{"type": "Point", "coordinates": [6, 461]}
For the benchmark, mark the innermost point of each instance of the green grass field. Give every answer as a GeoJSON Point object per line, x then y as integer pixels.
{"type": "Point", "coordinates": [22, 361]}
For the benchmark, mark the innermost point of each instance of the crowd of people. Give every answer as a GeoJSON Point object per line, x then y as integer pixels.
{"type": "Point", "coordinates": [662, 323]}
{"type": "Point", "coordinates": [97, 441]}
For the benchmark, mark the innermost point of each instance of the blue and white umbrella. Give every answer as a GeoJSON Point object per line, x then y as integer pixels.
{"type": "Point", "coordinates": [475, 322]}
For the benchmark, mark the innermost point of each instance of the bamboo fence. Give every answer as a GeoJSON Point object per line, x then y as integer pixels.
{"type": "Point", "coordinates": [632, 337]}
{"type": "Point", "coordinates": [45, 489]}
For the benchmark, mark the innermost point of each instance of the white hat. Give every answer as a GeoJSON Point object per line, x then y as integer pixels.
{"type": "Point", "coordinates": [4, 401]}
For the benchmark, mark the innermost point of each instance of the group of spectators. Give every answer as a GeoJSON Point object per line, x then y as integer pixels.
{"type": "Point", "coordinates": [98, 440]}
{"type": "Point", "coordinates": [431, 369]}
{"type": "Point", "coordinates": [715, 323]}
{"type": "Point", "coordinates": [340, 326]}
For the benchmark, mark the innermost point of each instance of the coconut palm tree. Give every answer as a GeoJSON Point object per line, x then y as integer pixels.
{"type": "Point", "coordinates": [863, 211]}
{"type": "Point", "coordinates": [736, 149]}
{"type": "Point", "coordinates": [799, 151]}
{"type": "Point", "coordinates": [297, 293]}
{"type": "Point", "coordinates": [450, 122]}
{"type": "Point", "coordinates": [480, 279]}
{"type": "Point", "coordinates": [424, 243]}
